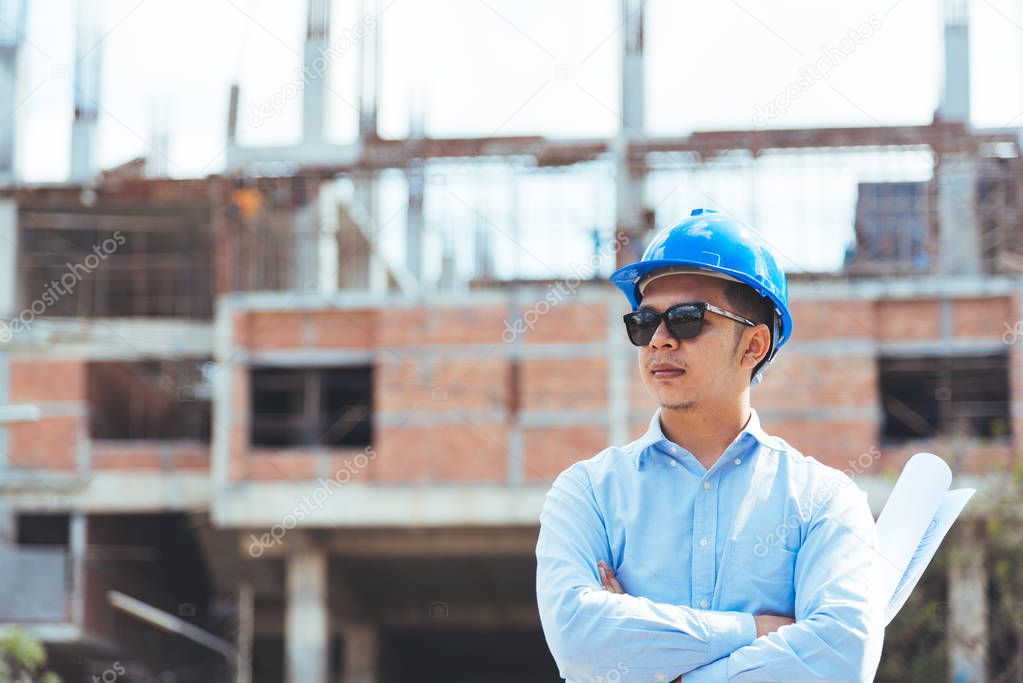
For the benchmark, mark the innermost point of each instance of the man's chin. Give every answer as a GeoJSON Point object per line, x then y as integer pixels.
{"type": "Point", "coordinates": [683, 397]}
{"type": "Point", "coordinates": [677, 403]}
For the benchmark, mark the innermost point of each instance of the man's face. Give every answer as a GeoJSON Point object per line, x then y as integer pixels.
{"type": "Point", "coordinates": [682, 373]}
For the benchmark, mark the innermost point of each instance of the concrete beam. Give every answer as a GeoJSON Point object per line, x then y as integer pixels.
{"type": "Point", "coordinates": [106, 491]}
{"type": "Point", "coordinates": [411, 509]}
{"type": "Point", "coordinates": [329, 160]}
{"type": "Point", "coordinates": [270, 618]}
{"type": "Point", "coordinates": [274, 505]}
{"type": "Point", "coordinates": [825, 288]}
{"type": "Point", "coordinates": [441, 615]}
{"type": "Point", "coordinates": [266, 504]}
{"type": "Point", "coordinates": [112, 339]}
{"type": "Point", "coordinates": [406, 543]}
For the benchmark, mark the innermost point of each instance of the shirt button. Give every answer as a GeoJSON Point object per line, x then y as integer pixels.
{"type": "Point", "coordinates": [704, 603]}
{"type": "Point", "coordinates": [674, 463]}
{"type": "Point", "coordinates": [738, 461]}
{"type": "Point", "coordinates": [703, 542]}
{"type": "Point", "coordinates": [706, 485]}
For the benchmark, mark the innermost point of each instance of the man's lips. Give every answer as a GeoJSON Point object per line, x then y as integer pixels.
{"type": "Point", "coordinates": [666, 371]}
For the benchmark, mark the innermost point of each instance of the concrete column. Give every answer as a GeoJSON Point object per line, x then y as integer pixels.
{"type": "Point", "coordinates": [11, 66]}
{"type": "Point", "coordinates": [619, 368]}
{"type": "Point", "coordinates": [78, 540]}
{"type": "Point", "coordinates": [515, 451]}
{"type": "Point", "coordinates": [9, 289]}
{"type": "Point", "coordinates": [306, 249]}
{"type": "Point", "coordinates": [967, 599]}
{"type": "Point", "coordinates": [415, 223]}
{"type": "Point", "coordinates": [361, 654]}
{"type": "Point", "coordinates": [630, 176]}
{"type": "Point", "coordinates": [368, 77]}
{"type": "Point", "coordinates": [955, 91]}
{"type": "Point", "coordinates": [8, 260]}
{"type": "Point", "coordinates": [5, 399]}
{"type": "Point", "coordinates": [367, 195]}
{"type": "Point", "coordinates": [306, 629]}
{"type": "Point", "coordinates": [8, 526]}
{"type": "Point", "coordinates": [246, 631]}
{"type": "Point", "coordinates": [87, 91]}
{"type": "Point", "coordinates": [327, 250]}
{"type": "Point", "coordinates": [958, 229]}
{"type": "Point", "coordinates": [316, 67]}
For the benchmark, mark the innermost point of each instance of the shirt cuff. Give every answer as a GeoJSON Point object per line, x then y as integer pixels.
{"type": "Point", "coordinates": [729, 631]}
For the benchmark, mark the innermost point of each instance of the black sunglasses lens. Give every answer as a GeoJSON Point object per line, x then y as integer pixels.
{"type": "Point", "coordinates": [685, 322]}
{"type": "Point", "coordinates": [641, 326]}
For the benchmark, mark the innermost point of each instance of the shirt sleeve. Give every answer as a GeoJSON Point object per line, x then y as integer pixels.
{"type": "Point", "coordinates": [595, 635]}
{"type": "Point", "coordinates": [839, 627]}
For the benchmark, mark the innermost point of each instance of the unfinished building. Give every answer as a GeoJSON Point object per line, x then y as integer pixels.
{"type": "Point", "coordinates": [248, 417]}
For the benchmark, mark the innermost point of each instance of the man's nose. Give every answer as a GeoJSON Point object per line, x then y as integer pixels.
{"type": "Point", "coordinates": [662, 339]}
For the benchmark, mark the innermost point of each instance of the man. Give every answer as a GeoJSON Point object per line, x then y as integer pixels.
{"type": "Point", "coordinates": [707, 550]}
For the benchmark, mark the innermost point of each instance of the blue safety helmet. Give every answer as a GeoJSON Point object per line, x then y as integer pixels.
{"type": "Point", "coordinates": [714, 242]}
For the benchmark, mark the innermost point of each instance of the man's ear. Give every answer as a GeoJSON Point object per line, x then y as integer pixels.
{"type": "Point", "coordinates": [757, 346]}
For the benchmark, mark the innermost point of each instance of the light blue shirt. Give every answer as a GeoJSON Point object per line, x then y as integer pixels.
{"type": "Point", "coordinates": [766, 530]}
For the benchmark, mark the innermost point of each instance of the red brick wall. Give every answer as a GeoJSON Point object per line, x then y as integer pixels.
{"type": "Point", "coordinates": [908, 319]}
{"type": "Point", "coordinates": [548, 451]}
{"type": "Point", "coordinates": [443, 390]}
{"type": "Point", "coordinates": [449, 369]}
{"type": "Point", "coordinates": [58, 388]}
{"type": "Point", "coordinates": [52, 441]}
{"type": "Point", "coordinates": [47, 380]}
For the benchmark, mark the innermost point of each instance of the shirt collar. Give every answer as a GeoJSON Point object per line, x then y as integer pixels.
{"type": "Point", "coordinates": [654, 436]}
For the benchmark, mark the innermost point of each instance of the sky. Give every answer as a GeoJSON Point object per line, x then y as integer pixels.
{"type": "Point", "coordinates": [507, 67]}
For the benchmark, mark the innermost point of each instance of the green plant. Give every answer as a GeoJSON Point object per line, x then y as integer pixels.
{"type": "Point", "coordinates": [915, 642]}
{"type": "Point", "coordinates": [23, 659]}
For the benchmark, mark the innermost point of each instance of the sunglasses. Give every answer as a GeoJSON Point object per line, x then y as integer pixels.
{"type": "Point", "coordinates": [683, 321]}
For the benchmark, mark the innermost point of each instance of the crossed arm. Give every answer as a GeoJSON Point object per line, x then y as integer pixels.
{"type": "Point", "coordinates": [593, 631]}
{"type": "Point", "coordinates": [766, 623]}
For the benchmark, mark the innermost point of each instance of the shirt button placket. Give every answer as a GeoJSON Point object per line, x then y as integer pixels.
{"type": "Point", "coordinates": [705, 555]}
